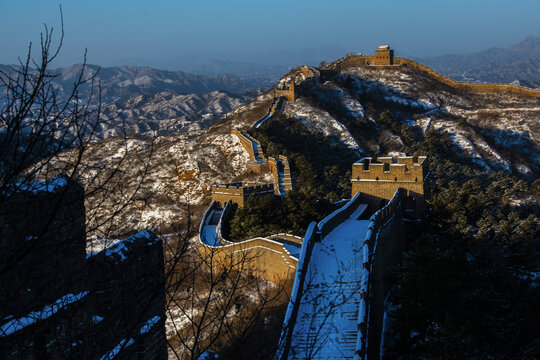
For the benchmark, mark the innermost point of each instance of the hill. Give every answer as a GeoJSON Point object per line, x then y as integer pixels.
{"type": "Point", "coordinates": [368, 110]}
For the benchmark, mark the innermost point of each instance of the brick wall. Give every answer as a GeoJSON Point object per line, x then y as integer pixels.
{"type": "Point", "coordinates": [354, 61]}
{"type": "Point", "coordinates": [288, 93]}
{"type": "Point", "coordinates": [261, 257]}
{"type": "Point", "coordinates": [383, 248]}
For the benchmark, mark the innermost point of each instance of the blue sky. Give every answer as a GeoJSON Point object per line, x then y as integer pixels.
{"type": "Point", "coordinates": [168, 34]}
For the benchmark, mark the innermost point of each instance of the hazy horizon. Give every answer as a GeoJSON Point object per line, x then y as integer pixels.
{"type": "Point", "coordinates": [174, 35]}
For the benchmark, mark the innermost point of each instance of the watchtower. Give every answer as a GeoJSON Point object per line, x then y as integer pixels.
{"type": "Point", "coordinates": [383, 56]}
{"type": "Point", "coordinates": [288, 92]}
{"type": "Point", "coordinates": [238, 192]}
{"type": "Point", "coordinates": [378, 179]}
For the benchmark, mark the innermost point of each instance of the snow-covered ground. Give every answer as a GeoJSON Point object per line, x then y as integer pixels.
{"type": "Point", "coordinates": [317, 119]}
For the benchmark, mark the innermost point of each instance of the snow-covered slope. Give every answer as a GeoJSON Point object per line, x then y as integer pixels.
{"type": "Point", "coordinates": [168, 113]}
{"type": "Point", "coordinates": [491, 128]}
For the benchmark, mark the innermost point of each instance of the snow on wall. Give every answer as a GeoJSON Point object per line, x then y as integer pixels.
{"type": "Point", "coordinates": [119, 249]}
{"type": "Point", "coordinates": [12, 325]}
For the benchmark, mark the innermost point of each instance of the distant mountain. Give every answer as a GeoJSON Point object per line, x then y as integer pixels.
{"type": "Point", "coordinates": [122, 82]}
{"type": "Point", "coordinates": [168, 113]}
{"type": "Point", "coordinates": [243, 70]}
{"type": "Point", "coordinates": [519, 62]}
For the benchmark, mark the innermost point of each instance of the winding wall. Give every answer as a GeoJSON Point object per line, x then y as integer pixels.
{"type": "Point", "coordinates": [263, 257]}
{"type": "Point", "coordinates": [461, 86]}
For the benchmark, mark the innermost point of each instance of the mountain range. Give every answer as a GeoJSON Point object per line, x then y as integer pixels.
{"type": "Point", "coordinates": [122, 82]}
{"type": "Point", "coordinates": [518, 63]}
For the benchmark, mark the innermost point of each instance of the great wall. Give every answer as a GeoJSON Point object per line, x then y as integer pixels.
{"type": "Point", "coordinates": [272, 257]}
{"type": "Point", "coordinates": [340, 267]}
{"type": "Point", "coordinates": [384, 56]}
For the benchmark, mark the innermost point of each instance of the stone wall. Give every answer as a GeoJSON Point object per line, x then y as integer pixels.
{"type": "Point", "coordinates": [273, 166]}
{"type": "Point", "coordinates": [127, 292]}
{"type": "Point", "coordinates": [287, 93]}
{"type": "Point", "coordinates": [57, 302]}
{"type": "Point", "coordinates": [287, 176]}
{"type": "Point", "coordinates": [260, 257]}
{"type": "Point", "coordinates": [353, 61]}
{"type": "Point", "coordinates": [467, 86]}
{"type": "Point", "coordinates": [315, 233]}
{"type": "Point", "coordinates": [42, 227]}
{"type": "Point", "coordinates": [383, 56]}
{"type": "Point", "coordinates": [257, 161]}
{"type": "Point", "coordinates": [281, 172]}
{"type": "Point", "coordinates": [246, 143]}
{"type": "Point", "coordinates": [383, 248]}
{"type": "Point", "coordinates": [275, 107]}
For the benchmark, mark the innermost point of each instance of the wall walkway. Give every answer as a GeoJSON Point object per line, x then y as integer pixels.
{"type": "Point", "coordinates": [337, 301]}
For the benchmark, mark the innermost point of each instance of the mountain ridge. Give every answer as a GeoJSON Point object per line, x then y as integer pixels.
{"type": "Point", "coordinates": [519, 62]}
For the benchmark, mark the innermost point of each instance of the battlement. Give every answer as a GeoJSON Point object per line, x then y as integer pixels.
{"type": "Point", "coordinates": [238, 192]}
{"type": "Point", "coordinates": [242, 187]}
{"type": "Point", "coordinates": [383, 55]}
{"type": "Point", "coordinates": [405, 168]}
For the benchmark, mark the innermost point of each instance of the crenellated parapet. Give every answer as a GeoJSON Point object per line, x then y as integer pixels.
{"type": "Point", "coordinates": [380, 178]}
{"type": "Point", "coordinates": [383, 56]}
{"type": "Point", "coordinates": [238, 192]}
{"type": "Point", "coordinates": [406, 168]}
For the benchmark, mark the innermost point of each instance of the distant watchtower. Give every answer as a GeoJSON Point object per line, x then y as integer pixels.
{"type": "Point", "coordinates": [383, 56]}
{"type": "Point", "coordinates": [287, 93]}
{"type": "Point", "coordinates": [379, 179]}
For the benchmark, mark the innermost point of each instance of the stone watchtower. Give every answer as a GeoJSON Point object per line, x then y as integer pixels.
{"type": "Point", "coordinates": [288, 92]}
{"type": "Point", "coordinates": [239, 192]}
{"type": "Point", "coordinates": [378, 179]}
{"type": "Point", "coordinates": [383, 56]}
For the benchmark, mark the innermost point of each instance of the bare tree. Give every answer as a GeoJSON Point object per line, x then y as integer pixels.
{"type": "Point", "coordinates": [214, 303]}
{"type": "Point", "coordinates": [48, 144]}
